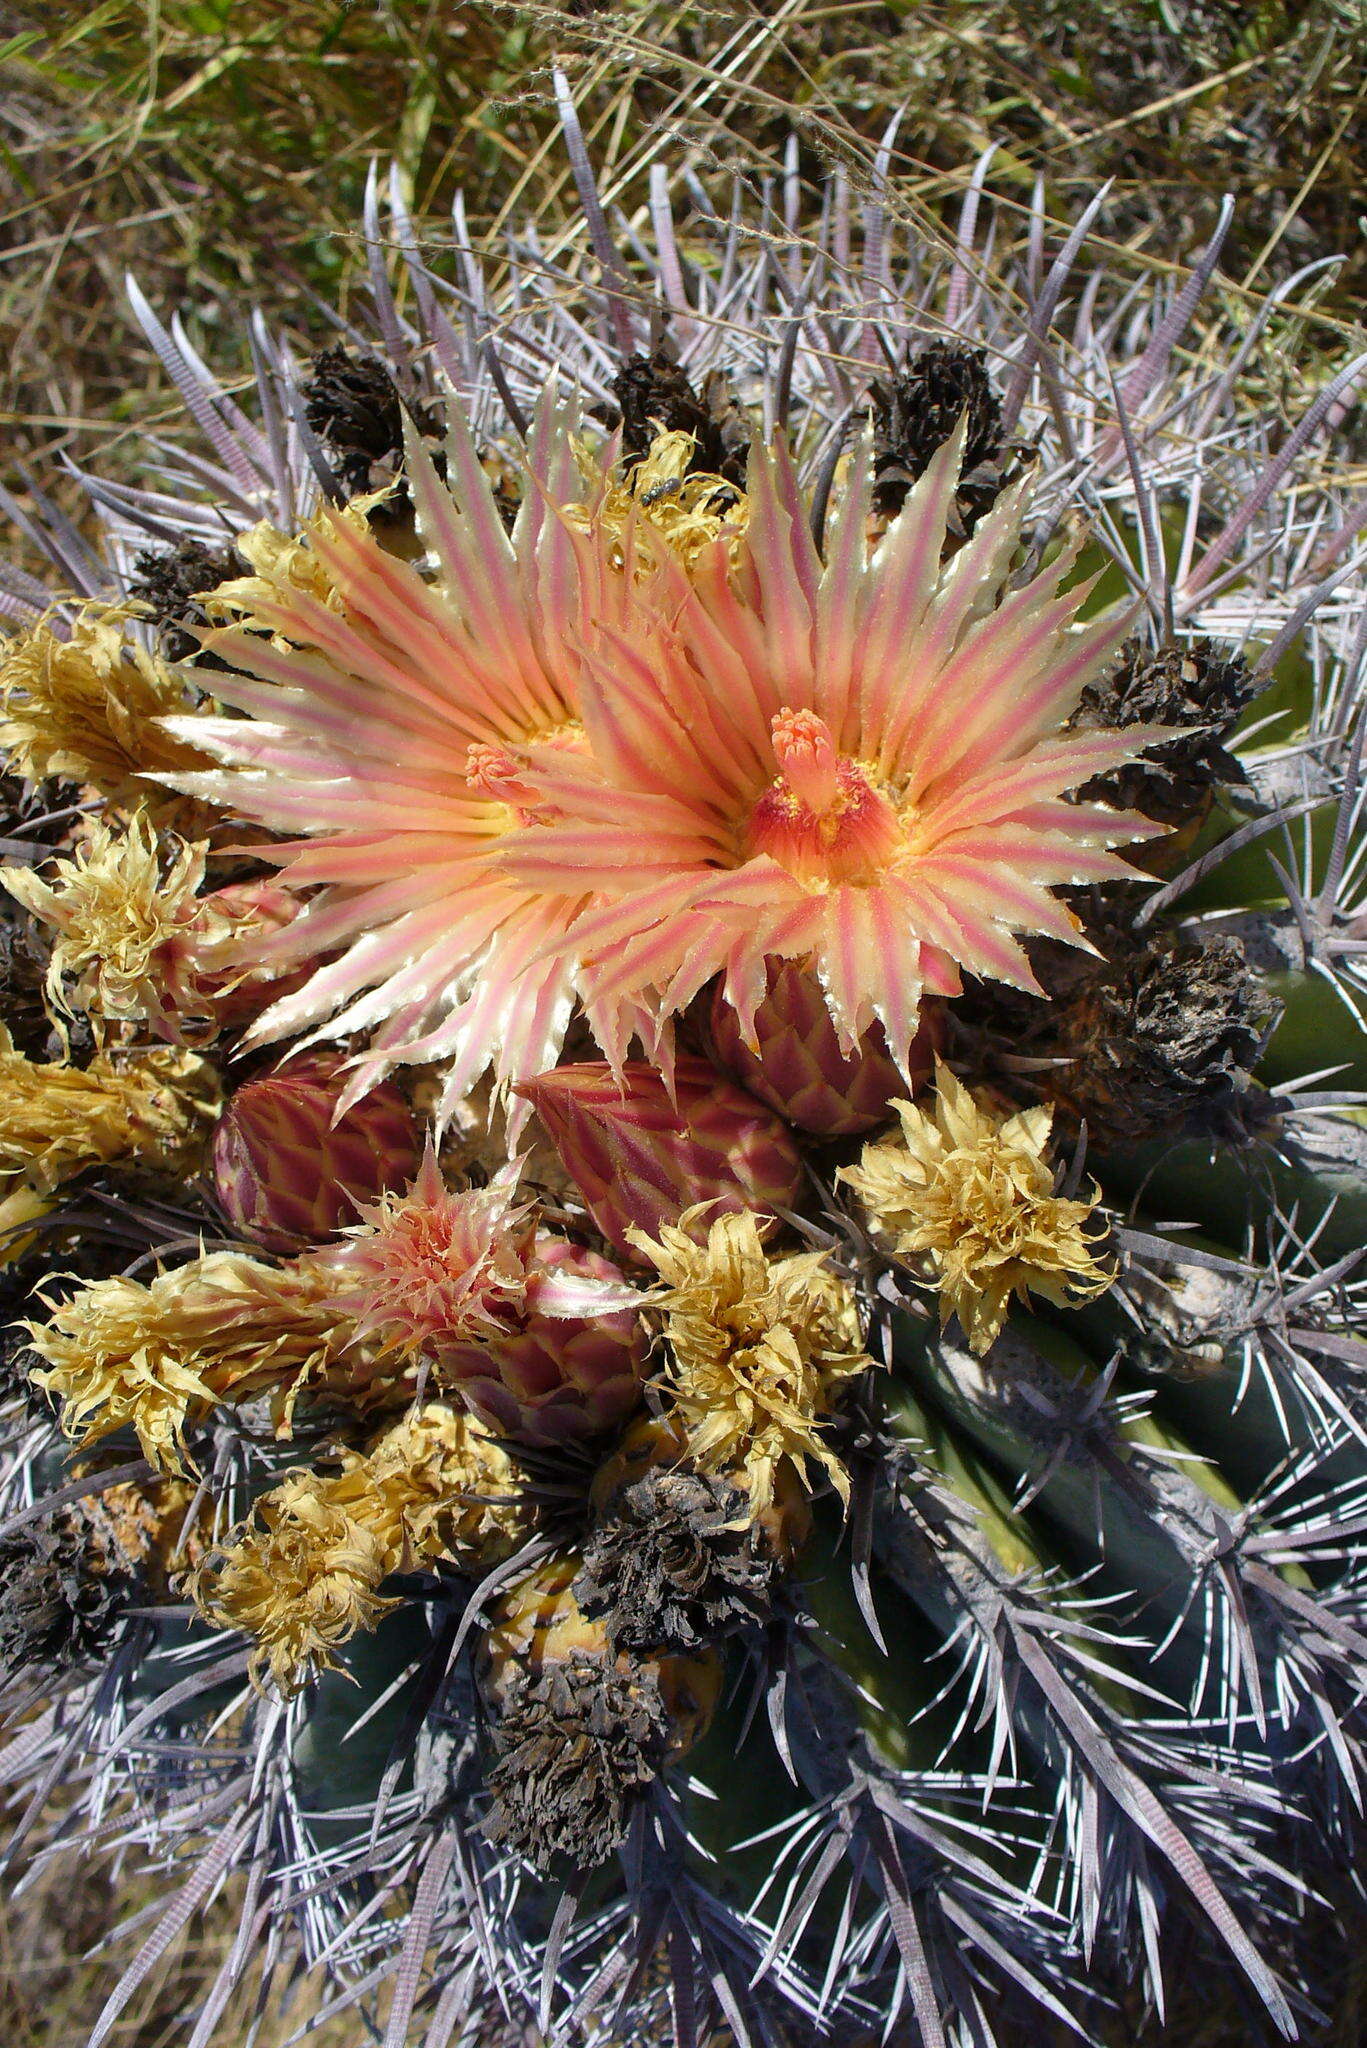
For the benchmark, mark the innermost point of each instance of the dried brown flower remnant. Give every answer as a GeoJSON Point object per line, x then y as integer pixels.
{"type": "Point", "coordinates": [90, 707]}
{"type": "Point", "coordinates": [158, 1356]}
{"type": "Point", "coordinates": [759, 1348]}
{"type": "Point", "coordinates": [353, 404]}
{"type": "Point", "coordinates": [678, 1558]}
{"type": "Point", "coordinates": [1200, 687]}
{"type": "Point", "coordinates": [1164, 1042]}
{"type": "Point", "coordinates": [968, 1197]}
{"type": "Point", "coordinates": [302, 1575]}
{"type": "Point", "coordinates": [61, 1594]}
{"type": "Point", "coordinates": [66, 1580]}
{"type": "Point", "coordinates": [916, 411]}
{"type": "Point", "coordinates": [149, 1109]}
{"type": "Point", "coordinates": [578, 1732]}
{"type": "Point", "coordinates": [173, 584]}
{"type": "Point", "coordinates": [677, 1564]}
{"type": "Point", "coordinates": [656, 396]}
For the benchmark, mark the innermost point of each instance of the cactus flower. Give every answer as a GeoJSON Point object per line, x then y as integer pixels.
{"type": "Point", "coordinates": [605, 758]}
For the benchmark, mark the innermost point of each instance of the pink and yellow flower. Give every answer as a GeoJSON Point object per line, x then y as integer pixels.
{"type": "Point", "coordinates": [578, 763]}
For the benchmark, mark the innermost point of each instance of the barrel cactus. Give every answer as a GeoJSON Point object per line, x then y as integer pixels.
{"type": "Point", "coordinates": [825, 772]}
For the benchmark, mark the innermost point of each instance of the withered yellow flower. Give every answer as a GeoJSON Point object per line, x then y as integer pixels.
{"type": "Point", "coordinates": [289, 565]}
{"type": "Point", "coordinates": [158, 1355]}
{"type": "Point", "coordinates": [153, 1109]}
{"type": "Point", "coordinates": [89, 707]}
{"type": "Point", "coordinates": [760, 1348]}
{"type": "Point", "coordinates": [122, 906]}
{"type": "Point", "coordinates": [658, 501]}
{"type": "Point", "coordinates": [968, 1197]}
{"type": "Point", "coordinates": [303, 1573]}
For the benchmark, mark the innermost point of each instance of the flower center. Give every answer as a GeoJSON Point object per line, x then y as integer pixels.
{"type": "Point", "coordinates": [821, 817]}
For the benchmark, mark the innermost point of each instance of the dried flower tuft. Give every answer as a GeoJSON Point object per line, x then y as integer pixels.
{"type": "Point", "coordinates": [662, 501]}
{"type": "Point", "coordinates": [353, 404]}
{"type": "Point", "coordinates": [916, 411]}
{"type": "Point", "coordinates": [676, 1558]}
{"type": "Point", "coordinates": [578, 1733]}
{"type": "Point", "coordinates": [90, 707]}
{"type": "Point", "coordinates": [173, 583]}
{"type": "Point", "coordinates": [656, 396]}
{"type": "Point", "coordinates": [1199, 687]}
{"type": "Point", "coordinates": [678, 1563]}
{"type": "Point", "coordinates": [1165, 1041]}
{"type": "Point", "coordinates": [302, 1575]}
{"type": "Point", "coordinates": [61, 1594]}
{"type": "Point", "coordinates": [158, 1356]}
{"type": "Point", "coordinates": [968, 1197]}
{"type": "Point", "coordinates": [65, 1581]}
{"type": "Point", "coordinates": [122, 906]}
{"type": "Point", "coordinates": [149, 1109]}
{"type": "Point", "coordinates": [759, 1350]}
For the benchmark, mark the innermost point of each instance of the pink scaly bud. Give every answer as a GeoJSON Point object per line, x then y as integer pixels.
{"type": "Point", "coordinates": [640, 1158]}
{"type": "Point", "coordinates": [794, 1060]}
{"type": "Point", "coordinates": [540, 1338]}
{"type": "Point", "coordinates": [286, 1174]}
{"type": "Point", "coordinates": [553, 1378]}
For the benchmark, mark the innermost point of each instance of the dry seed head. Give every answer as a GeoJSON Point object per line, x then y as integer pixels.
{"type": "Point", "coordinates": [149, 1109]}
{"type": "Point", "coordinates": [90, 707]}
{"type": "Point", "coordinates": [158, 1356]}
{"type": "Point", "coordinates": [968, 1196]}
{"type": "Point", "coordinates": [62, 1594]}
{"type": "Point", "coordinates": [578, 1731]}
{"type": "Point", "coordinates": [676, 1558]}
{"type": "Point", "coordinates": [760, 1349]}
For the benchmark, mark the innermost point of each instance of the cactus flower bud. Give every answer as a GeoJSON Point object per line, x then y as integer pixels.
{"type": "Point", "coordinates": [539, 1337]}
{"type": "Point", "coordinates": [793, 1060]}
{"type": "Point", "coordinates": [639, 1158]}
{"type": "Point", "coordinates": [286, 1174]}
{"type": "Point", "coordinates": [551, 1378]}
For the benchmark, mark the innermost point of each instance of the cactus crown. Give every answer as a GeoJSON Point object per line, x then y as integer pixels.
{"type": "Point", "coordinates": [867, 1506]}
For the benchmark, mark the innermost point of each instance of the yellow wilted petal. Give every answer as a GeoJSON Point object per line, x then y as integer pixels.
{"type": "Point", "coordinates": [122, 906]}
{"type": "Point", "coordinates": [89, 707]}
{"type": "Point", "coordinates": [158, 1355]}
{"type": "Point", "coordinates": [152, 1109]}
{"type": "Point", "coordinates": [968, 1198]}
{"type": "Point", "coordinates": [759, 1349]}
{"type": "Point", "coordinates": [302, 1574]}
